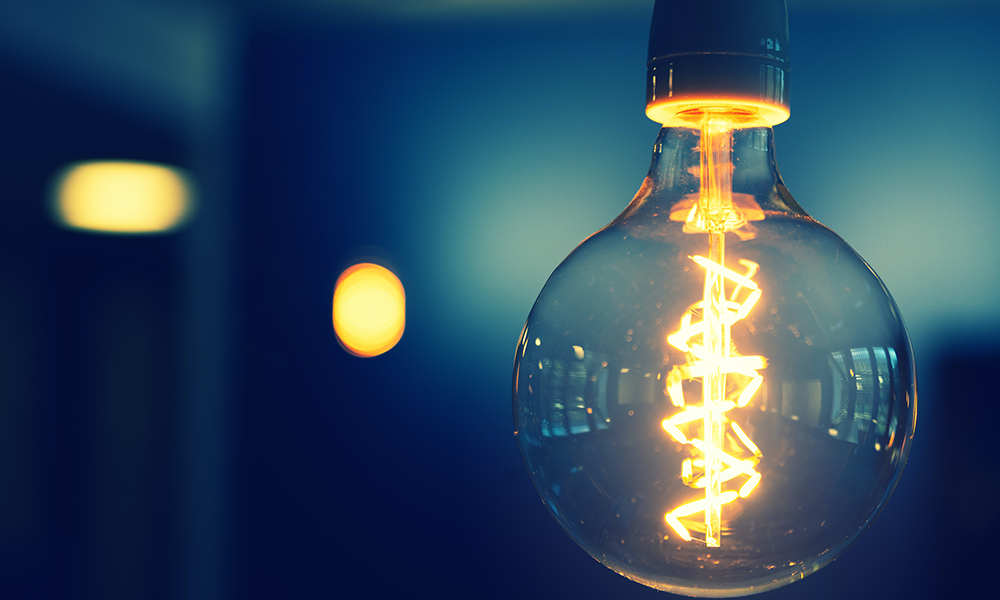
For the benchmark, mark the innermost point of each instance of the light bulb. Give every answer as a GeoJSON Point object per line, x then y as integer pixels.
{"type": "Point", "coordinates": [714, 395]}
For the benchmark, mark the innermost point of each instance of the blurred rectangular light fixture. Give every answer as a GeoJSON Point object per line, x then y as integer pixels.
{"type": "Point", "coordinates": [122, 197]}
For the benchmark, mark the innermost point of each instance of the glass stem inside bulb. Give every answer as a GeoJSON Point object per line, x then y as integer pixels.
{"type": "Point", "coordinates": [716, 199]}
{"type": "Point", "coordinates": [716, 204]}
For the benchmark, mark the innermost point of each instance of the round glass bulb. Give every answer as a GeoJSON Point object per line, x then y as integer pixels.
{"type": "Point", "coordinates": [714, 394]}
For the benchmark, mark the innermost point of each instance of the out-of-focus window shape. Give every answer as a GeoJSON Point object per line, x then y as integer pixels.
{"type": "Point", "coordinates": [576, 400]}
{"type": "Point", "coordinates": [884, 380]}
{"type": "Point", "coordinates": [802, 401]}
{"type": "Point", "coordinates": [369, 309]}
{"type": "Point", "coordinates": [864, 380]}
{"type": "Point", "coordinates": [122, 197]}
{"type": "Point", "coordinates": [865, 385]}
{"type": "Point", "coordinates": [842, 393]}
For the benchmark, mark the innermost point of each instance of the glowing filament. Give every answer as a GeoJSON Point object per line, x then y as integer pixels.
{"type": "Point", "coordinates": [720, 270]}
{"type": "Point", "coordinates": [711, 361]}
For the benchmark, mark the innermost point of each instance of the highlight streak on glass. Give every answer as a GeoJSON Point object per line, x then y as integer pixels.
{"type": "Point", "coordinates": [122, 197]}
{"type": "Point", "coordinates": [369, 309]}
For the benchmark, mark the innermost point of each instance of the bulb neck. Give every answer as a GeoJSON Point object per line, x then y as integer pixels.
{"type": "Point", "coordinates": [713, 169]}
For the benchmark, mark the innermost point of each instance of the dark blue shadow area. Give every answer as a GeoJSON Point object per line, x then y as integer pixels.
{"type": "Point", "coordinates": [88, 365]}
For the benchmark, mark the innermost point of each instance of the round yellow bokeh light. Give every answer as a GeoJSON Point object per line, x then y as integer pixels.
{"type": "Point", "coordinates": [369, 309]}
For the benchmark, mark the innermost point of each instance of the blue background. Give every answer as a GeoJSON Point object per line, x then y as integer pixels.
{"type": "Point", "coordinates": [176, 416]}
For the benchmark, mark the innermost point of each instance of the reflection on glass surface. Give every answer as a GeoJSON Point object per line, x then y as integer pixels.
{"type": "Point", "coordinates": [714, 394]}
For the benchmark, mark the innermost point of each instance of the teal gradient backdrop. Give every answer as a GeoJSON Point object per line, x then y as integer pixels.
{"type": "Point", "coordinates": [225, 446]}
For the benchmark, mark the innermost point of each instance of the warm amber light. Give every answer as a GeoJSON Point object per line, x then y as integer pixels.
{"type": "Point", "coordinates": [663, 110]}
{"type": "Point", "coordinates": [122, 197]}
{"type": "Point", "coordinates": [369, 309]}
{"type": "Point", "coordinates": [709, 360]}
{"type": "Point", "coordinates": [712, 358]}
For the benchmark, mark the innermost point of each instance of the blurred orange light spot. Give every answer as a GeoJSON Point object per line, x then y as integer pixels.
{"type": "Point", "coordinates": [369, 309]}
{"type": "Point", "coordinates": [122, 197]}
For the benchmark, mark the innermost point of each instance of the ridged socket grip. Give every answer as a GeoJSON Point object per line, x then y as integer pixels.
{"type": "Point", "coordinates": [720, 53]}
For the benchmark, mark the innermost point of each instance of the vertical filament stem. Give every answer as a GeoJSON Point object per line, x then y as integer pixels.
{"type": "Point", "coordinates": [716, 197]}
{"type": "Point", "coordinates": [716, 202]}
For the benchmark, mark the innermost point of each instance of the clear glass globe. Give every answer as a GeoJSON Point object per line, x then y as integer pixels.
{"type": "Point", "coordinates": [714, 394]}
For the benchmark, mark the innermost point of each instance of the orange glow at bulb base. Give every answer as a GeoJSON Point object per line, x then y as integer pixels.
{"type": "Point", "coordinates": [665, 110]}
